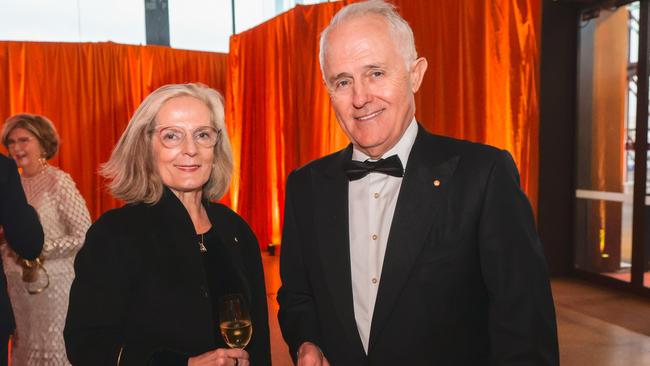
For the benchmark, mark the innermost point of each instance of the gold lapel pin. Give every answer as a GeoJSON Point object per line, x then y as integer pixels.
{"type": "Point", "coordinates": [436, 182]}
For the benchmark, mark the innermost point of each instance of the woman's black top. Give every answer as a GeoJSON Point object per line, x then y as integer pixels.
{"type": "Point", "coordinates": [220, 274]}
{"type": "Point", "coordinates": [144, 294]}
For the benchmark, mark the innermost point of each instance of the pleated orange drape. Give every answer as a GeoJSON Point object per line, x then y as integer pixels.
{"type": "Point", "coordinates": [89, 91]}
{"type": "Point", "coordinates": [481, 85]}
{"type": "Point", "coordinates": [277, 111]}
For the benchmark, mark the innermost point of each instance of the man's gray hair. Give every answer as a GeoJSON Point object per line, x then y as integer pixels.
{"type": "Point", "coordinates": [399, 28]}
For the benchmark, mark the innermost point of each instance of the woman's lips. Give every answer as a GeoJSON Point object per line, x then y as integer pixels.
{"type": "Point", "coordinates": [188, 168]}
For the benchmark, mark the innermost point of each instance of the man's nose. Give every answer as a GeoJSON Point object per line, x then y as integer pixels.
{"type": "Point", "coordinates": [361, 94]}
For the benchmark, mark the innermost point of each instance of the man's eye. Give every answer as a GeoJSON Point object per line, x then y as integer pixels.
{"type": "Point", "coordinates": [377, 74]}
{"type": "Point", "coordinates": [342, 83]}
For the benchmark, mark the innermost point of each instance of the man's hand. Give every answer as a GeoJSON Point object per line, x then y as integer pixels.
{"type": "Point", "coordinates": [310, 355]}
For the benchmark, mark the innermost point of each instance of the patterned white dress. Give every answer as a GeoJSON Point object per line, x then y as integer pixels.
{"type": "Point", "coordinates": [40, 318]}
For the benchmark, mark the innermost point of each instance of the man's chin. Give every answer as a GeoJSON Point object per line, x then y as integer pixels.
{"type": "Point", "coordinates": [372, 150]}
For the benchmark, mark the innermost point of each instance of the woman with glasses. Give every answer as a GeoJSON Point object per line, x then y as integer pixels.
{"type": "Point", "coordinates": [150, 274]}
{"type": "Point", "coordinates": [39, 288]}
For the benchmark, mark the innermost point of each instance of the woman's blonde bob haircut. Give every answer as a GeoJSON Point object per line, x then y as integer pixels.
{"type": "Point", "coordinates": [39, 126]}
{"type": "Point", "coordinates": [131, 167]}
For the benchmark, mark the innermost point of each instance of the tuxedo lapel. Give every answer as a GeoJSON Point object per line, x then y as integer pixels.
{"type": "Point", "coordinates": [421, 196]}
{"type": "Point", "coordinates": [332, 230]}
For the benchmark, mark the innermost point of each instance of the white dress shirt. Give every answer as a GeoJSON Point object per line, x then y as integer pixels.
{"type": "Point", "coordinates": [371, 205]}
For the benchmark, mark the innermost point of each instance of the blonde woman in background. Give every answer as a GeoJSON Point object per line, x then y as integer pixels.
{"type": "Point", "coordinates": [39, 289]}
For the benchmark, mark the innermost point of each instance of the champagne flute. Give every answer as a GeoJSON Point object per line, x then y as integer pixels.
{"type": "Point", "coordinates": [235, 321]}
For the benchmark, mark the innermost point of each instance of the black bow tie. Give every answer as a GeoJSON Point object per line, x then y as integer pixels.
{"type": "Point", "coordinates": [359, 169]}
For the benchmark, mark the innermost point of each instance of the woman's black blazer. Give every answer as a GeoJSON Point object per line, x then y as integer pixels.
{"type": "Point", "coordinates": [140, 293]}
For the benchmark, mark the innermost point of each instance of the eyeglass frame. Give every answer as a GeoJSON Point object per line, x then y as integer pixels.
{"type": "Point", "coordinates": [21, 141]}
{"type": "Point", "coordinates": [161, 128]}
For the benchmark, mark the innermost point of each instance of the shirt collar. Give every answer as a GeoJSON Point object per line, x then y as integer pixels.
{"type": "Point", "coordinates": [402, 148]}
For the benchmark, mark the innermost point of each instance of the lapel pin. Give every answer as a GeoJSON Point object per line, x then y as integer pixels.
{"type": "Point", "coordinates": [436, 182]}
{"type": "Point", "coordinates": [236, 240]}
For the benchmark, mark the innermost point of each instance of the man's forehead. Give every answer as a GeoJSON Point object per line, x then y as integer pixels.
{"type": "Point", "coordinates": [359, 57]}
{"type": "Point", "coordinates": [359, 24]}
{"type": "Point", "coordinates": [357, 41]}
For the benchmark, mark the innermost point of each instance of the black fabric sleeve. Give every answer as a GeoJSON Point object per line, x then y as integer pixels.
{"type": "Point", "coordinates": [167, 357]}
{"type": "Point", "coordinates": [22, 228]}
{"type": "Point", "coordinates": [260, 347]}
{"type": "Point", "coordinates": [94, 325]}
{"type": "Point", "coordinates": [297, 315]}
{"type": "Point", "coordinates": [522, 326]}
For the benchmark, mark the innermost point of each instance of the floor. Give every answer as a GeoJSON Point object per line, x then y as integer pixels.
{"type": "Point", "coordinates": [279, 350]}
{"type": "Point", "coordinates": [596, 326]}
{"type": "Point", "coordinates": [626, 276]}
{"type": "Point", "coordinates": [601, 327]}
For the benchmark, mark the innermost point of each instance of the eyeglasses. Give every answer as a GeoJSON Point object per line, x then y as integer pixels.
{"type": "Point", "coordinates": [19, 141]}
{"type": "Point", "coordinates": [172, 136]}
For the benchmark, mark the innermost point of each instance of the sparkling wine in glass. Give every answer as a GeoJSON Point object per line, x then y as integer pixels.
{"type": "Point", "coordinates": [235, 321]}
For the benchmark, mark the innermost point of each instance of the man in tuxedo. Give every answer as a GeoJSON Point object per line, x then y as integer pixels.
{"type": "Point", "coordinates": [24, 234]}
{"type": "Point", "coordinates": [406, 248]}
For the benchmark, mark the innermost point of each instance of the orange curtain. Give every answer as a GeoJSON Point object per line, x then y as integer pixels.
{"type": "Point", "coordinates": [90, 91]}
{"type": "Point", "coordinates": [277, 111]}
{"type": "Point", "coordinates": [481, 85]}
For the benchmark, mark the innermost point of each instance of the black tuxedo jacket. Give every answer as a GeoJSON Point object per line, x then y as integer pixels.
{"type": "Point", "coordinates": [22, 230]}
{"type": "Point", "coordinates": [141, 287]}
{"type": "Point", "coordinates": [464, 280]}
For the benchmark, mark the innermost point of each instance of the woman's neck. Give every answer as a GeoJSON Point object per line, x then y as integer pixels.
{"type": "Point", "coordinates": [192, 203]}
{"type": "Point", "coordinates": [33, 169]}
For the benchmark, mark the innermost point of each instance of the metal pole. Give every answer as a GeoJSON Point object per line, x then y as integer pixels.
{"type": "Point", "coordinates": [232, 7]}
{"type": "Point", "coordinates": [641, 151]}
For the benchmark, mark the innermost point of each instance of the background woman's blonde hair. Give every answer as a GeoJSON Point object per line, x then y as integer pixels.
{"type": "Point", "coordinates": [131, 167]}
{"type": "Point", "coordinates": [39, 126]}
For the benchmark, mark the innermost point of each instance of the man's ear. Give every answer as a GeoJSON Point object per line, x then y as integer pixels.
{"type": "Point", "coordinates": [418, 68]}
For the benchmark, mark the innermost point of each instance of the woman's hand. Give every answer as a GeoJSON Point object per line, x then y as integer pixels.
{"type": "Point", "coordinates": [221, 357]}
